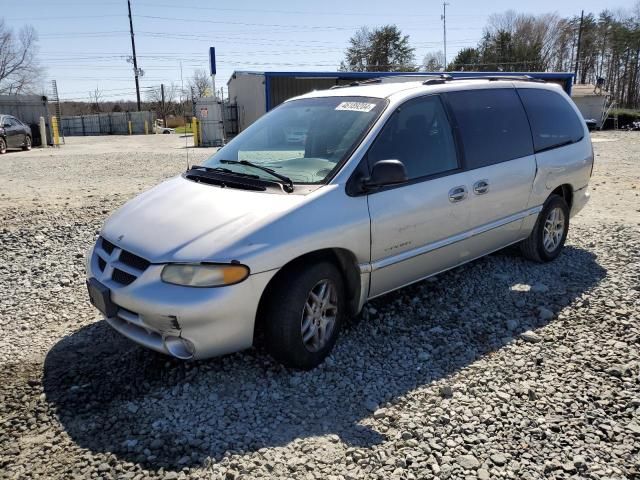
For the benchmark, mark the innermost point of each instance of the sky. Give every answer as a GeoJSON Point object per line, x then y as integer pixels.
{"type": "Point", "coordinates": [84, 44]}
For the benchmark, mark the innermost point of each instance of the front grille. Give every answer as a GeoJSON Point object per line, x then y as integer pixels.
{"type": "Point", "coordinates": [122, 277]}
{"type": "Point", "coordinates": [134, 261]}
{"type": "Point", "coordinates": [118, 265]}
{"type": "Point", "coordinates": [107, 246]}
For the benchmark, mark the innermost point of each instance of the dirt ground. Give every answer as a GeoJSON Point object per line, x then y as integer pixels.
{"type": "Point", "coordinates": [501, 368]}
{"type": "Point", "coordinates": [85, 168]}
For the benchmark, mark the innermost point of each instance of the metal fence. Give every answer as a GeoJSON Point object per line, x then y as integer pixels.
{"type": "Point", "coordinates": [230, 117]}
{"type": "Point", "coordinates": [118, 123]}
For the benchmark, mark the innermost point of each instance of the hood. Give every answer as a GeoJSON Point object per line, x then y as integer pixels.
{"type": "Point", "coordinates": [184, 221]}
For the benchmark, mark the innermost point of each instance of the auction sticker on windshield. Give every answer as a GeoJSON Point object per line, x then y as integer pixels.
{"type": "Point", "coordinates": [356, 106]}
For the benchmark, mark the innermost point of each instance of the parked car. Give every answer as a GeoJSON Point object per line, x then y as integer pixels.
{"type": "Point", "coordinates": [591, 123]}
{"type": "Point", "coordinates": [14, 134]}
{"type": "Point", "coordinates": [159, 127]}
{"type": "Point", "coordinates": [396, 182]}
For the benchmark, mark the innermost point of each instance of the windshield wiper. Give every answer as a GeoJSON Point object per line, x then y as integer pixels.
{"type": "Point", "coordinates": [288, 183]}
{"type": "Point", "coordinates": [224, 170]}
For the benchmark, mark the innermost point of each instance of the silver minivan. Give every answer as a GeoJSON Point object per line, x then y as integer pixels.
{"type": "Point", "coordinates": [385, 184]}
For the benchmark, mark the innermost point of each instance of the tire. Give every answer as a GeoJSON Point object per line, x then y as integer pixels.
{"type": "Point", "coordinates": [27, 143]}
{"type": "Point", "coordinates": [289, 312]}
{"type": "Point", "coordinates": [3, 146]}
{"type": "Point", "coordinates": [549, 234]}
{"type": "Point", "coordinates": [166, 132]}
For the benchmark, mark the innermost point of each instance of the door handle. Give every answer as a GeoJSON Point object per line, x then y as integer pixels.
{"type": "Point", "coordinates": [457, 194]}
{"type": "Point", "coordinates": [481, 187]}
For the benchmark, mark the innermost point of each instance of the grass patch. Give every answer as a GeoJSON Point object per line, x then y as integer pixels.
{"type": "Point", "coordinates": [184, 129]}
{"type": "Point", "coordinates": [626, 112]}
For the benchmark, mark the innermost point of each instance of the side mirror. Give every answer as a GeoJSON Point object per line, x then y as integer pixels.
{"type": "Point", "coordinates": [386, 172]}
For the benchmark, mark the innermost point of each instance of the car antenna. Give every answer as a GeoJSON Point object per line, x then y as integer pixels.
{"type": "Point", "coordinates": [184, 116]}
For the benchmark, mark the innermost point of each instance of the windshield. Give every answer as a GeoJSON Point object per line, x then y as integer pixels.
{"type": "Point", "coordinates": [305, 140]}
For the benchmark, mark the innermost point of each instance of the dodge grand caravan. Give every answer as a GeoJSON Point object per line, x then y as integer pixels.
{"type": "Point", "coordinates": [390, 183]}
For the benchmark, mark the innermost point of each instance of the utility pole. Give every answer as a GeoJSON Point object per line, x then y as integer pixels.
{"type": "Point", "coordinates": [164, 110]}
{"type": "Point", "coordinates": [135, 61]}
{"type": "Point", "coordinates": [575, 77]}
{"type": "Point", "coordinates": [443, 17]}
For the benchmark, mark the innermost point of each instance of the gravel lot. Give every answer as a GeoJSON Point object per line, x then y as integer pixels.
{"type": "Point", "coordinates": [499, 369]}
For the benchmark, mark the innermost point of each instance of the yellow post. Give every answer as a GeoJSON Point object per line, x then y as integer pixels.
{"type": "Point", "coordinates": [146, 127]}
{"type": "Point", "coordinates": [194, 129]}
{"type": "Point", "coordinates": [56, 133]}
{"type": "Point", "coordinates": [129, 127]}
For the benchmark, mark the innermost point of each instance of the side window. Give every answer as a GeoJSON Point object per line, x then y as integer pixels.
{"type": "Point", "coordinates": [419, 135]}
{"type": "Point", "coordinates": [553, 121]}
{"type": "Point", "coordinates": [9, 121]}
{"type": "Point", "coordinates": [493, 125]}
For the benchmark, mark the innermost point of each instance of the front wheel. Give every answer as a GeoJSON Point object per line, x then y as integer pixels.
{"type": "Point", "coordinates": [27, 143]}
{"type": "Point", "coordinates": [550, 232]}
{"type": "Point", "coordinates": [304, 314]}
{"type": "Point", "coordinates": [3, 146]}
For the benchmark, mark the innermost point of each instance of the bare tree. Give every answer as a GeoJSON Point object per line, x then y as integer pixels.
{"type": "Point", "coordinates": [95, 98]}
{"type": "Point", "coordinates": [609, 48]}
{"type": "Point", "coordinates": [200, 84]}
{"type": "Point", "coordinates": [19, 69]}
{"type": "Point", "coordinates": [169, 106]}
{"type": "Point", "coordinates": [433, 62]}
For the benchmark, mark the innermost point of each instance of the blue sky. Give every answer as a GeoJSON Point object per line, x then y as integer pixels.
{"type": "Point", "coordinates": [84, 44]}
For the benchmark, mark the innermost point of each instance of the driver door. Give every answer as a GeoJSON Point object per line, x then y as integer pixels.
{"type": "Point", "coordinates": [417, 227]}
{"type": "Point", "coordinates": [14, 132]}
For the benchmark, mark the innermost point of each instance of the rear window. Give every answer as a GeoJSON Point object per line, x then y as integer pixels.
{"type": "Point", "coordinates": [553, 122]}
{"type": "Point", "coordinates": [492, 125]}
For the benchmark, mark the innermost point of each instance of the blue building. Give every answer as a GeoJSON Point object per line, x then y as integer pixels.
{"type": "Point", "coordinates": [255, 93]}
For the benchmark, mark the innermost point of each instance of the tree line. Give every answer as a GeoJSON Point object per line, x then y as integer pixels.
{"type": "Point", "coordinates": [516, 42]}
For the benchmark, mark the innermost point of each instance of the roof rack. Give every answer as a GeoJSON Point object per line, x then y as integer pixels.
{"type": "Point", "coordinates": [389, 79]}
{"type": "Point", "coordinates": [495, 78]}
{"type": "Point", "coordinates": [438, 79]}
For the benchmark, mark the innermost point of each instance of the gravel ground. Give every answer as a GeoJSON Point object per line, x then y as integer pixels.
{"type": "Point", "coordinates": [498, 369]}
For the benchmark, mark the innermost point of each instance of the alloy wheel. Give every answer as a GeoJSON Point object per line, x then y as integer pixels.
{"type": "Point", "coordinates": [553, 229]}
{"type": "Point", "coordinates": [319, 315]}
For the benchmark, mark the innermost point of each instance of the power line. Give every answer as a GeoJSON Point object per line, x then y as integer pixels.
{"type": "Point", "coordinates": [289, 12]}
{"type": "Point", "coordinates": [65, 17]}
{"type": "Point", "coordinates": [245, 24]}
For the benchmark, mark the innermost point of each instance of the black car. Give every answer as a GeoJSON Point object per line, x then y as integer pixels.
{"type": "Point", "coordinates": [14, 134]}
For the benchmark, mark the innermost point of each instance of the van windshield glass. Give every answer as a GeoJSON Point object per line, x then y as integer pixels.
{"type": "Point", "coordinates": [305, 140]}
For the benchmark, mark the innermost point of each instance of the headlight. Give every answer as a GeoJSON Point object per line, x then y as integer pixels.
{"type": "Point", "coordinates": [204, 275]}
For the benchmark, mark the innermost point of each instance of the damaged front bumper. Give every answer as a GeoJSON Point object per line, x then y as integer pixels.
{"type": "Point", "coordinates": [184, 322]}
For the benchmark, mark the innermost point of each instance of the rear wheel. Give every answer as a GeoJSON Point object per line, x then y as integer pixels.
{"type": "Point", "coordinates": [550, 232]}
{"type": "Point", "coordinates": [304, 314]}
{"type": "Point", "coordinates": [27, 143]}
{"type": "Point", "coordinates": [3, 145]}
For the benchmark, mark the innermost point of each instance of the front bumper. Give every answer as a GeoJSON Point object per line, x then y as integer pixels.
{"type": "Point", "coordinates": [214, 320]}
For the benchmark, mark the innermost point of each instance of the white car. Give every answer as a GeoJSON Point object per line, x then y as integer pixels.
{"type": "Point", "coordinates": [394, 183]}
{"type": "Point", "coordinates": [160, 128]}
